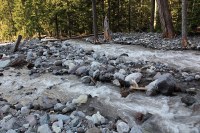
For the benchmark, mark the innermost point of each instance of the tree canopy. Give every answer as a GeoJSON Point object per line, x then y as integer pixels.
{"type": "Point", "coordinates": [65, 18]}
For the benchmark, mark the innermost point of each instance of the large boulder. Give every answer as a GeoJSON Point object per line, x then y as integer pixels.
{"type": "Point", "coordinates": [165, 85]}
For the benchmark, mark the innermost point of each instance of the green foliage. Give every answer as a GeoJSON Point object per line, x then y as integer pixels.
{"type": "Point", "coordinates": [74, 17]}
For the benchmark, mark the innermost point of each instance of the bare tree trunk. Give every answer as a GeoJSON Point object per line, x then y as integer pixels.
{"type": "Point", "coordinates": [118, 14]}
{"type": "Point", "coordinates": [94, 12]}
{"type": "Point", "coordinates": [129, 16]}
{"type": "Point", "coordinates": [107, 36]}
{"type": "Point", "coordinates": [56, 23]}
{"type": "Point", "coordinates": [152, 15]}
{"type": "Point", "coordinates": [109, 10]}
{"type": "Point", "coordinates": [165, 18]}
{"type": "Point", "coordinates": [184, 23]}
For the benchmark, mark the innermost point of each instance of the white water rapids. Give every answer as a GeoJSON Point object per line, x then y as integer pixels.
{"type": "Point", "coordinates": [169, 113]}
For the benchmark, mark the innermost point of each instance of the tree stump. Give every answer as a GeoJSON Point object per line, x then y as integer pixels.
{"type": "Point", "coordinates": [17, 43]}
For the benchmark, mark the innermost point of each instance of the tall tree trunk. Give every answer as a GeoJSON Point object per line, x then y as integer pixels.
{"type": "Point", "coordinates": [165, 18]}
{"type": "Point", "coordinates": [184, 23]}
{"type": "Point", "coordinates": [56, 23]}
{"type": "Point", "coordinates": [94, 12]}
{"type": "Point", "coordinates": [109, 11]}
{"type": "Point", "coordinates": [103, 11]}
{"type": "Point", "coordinates": [118, 14]}
{"type": "Point", "coordinates": [152, 15]}
{"type": "Point", "coordinates": [129, 16]}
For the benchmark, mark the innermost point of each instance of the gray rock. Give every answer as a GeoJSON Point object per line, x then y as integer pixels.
{"type": "Point", "coordinates": [59, 107]}
{"type": "Point", "coordinates": [95, 65]}
{"type": "Point", "coordinates": [69, 108]}
{"type": "Point", "coordinates": [11, 131]}
{"type": "Point", "coordinates": [25, 110]}
{"type": "Point", "coordinates": [29, 56]}
{"type": "Point", "coordinates": [45, 119]}
{"type": "Point", "coordinates": [93, 130]}
{"type": "Point", "coordinates": [86, 79]}
{"type": "Point", "coordinates": [96, 74]}
{"type": "Point", "coordinates": [188, 100]}
{"type": "Point", "coordinates": [58, 63]}
{"type": "Point", "coordinates": [197, 77]}
{"type": "Point", "coordinates": [152, 88]}
{"type": "Point", "coordinates": [62, 117]}
{"type": "Point", "coordinates": [57, 126]}
{"type": "Point", "coordinates": [136, 129]}
{"type": "Point", "coordinates": [44, 102]}
{"type": "Point", "coordinates": [119, 75]}
{"type": "Point", "coordinates": [5, 108]}
{"type": "Point", "coordinates": [166, 84]}
{"type": "Point", "coordinates": [31, 120]}
{"type": "Point", "coordinates": [75, 121]}
{"type": "Point", "coordinates": [8, 122]}
{"type": "Point", "coordinates": [4, 63]}
{"type": "Point", "coordinates": [80, 100]}
{"type": "Point", "coordinates": [96, 118]}
{"type": "Point", "coordinates": [44, 129]}
{"type": "Point", "coordinates": [189, 78]}
{"type": "Point", "coordinates": [134, 76]}
{"type": "Point", "coordinates": [83, 70]}
{"type": "Point", "coordinates": [122, 127]}
{"type": "Point", "coordinates": [38, 62]}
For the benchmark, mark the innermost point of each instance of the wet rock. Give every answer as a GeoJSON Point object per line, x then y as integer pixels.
{"type": "Point", "coordinates": [38, 62]}
{"type": "Point", "coordinates": [119, 75]}
{"type": "Point", "coordinates": [152, 88]}
{"type": "Point", "coordinates": [75, 122]}
{"type": "Point", "coordinates": [44, 129]}
{"type": "Point", "coordinates": [197, 77]}
{"type": "Point", "coordinates": [134, 76]}
{"type": "Point", "coordinates": [11, 131]}
{"type": "Point", "coordinates": [94, 130]}
{"type": "Point", "coordinates": [32, 120]}
{"type": "Point", "coordinates": [95, 65]}
{"type": "Point", "coordinates": [62, 117]}
{"type": "Point", "coordinates": [25, 110]}
{"type": "Point", "coordinates": [4, 63]}
{"type": "Point", "coordinates": [57, 126]}
{"type": "Point", "coordinates": [29, 56]}
{"type": "Point", "coordinates": [8, 122]}
{"type": "Point", "coordinates": [59, 107]}
{"type": "Point", "coordinates": [96, 74]}
{"type": "Point", "coordinates": [166, 84]}
{"type": "Point", "coordinates": [86, 79]}
{"type": "Point", "coordinates": [96, 118]}
{"type": "Point", "coordinates": [158, 74]}
{"type": "Point", "coordinates": [5, 108]}
{"type": "Point", "coordinates": [58, 63]}
{"type": "Point", "coordinates": [189, 78]}
{"type": "Point", "coordinates": [83, 70]}
{"type": "Point", "coordinates": [80, 100]}
{"type": "Point", "coordinates": [44, 102]}
{"type": "Point", "coordinates": [122, 127]}
{"type": "Point", "coordinates": [136, 129]}
{"type": "Point", "coordinates": [116, 82]}
{"type": "Point", "coordinates": [45, 119]}
{"type": "Point", "coordinates": [188, 100]}
{"type": "Point", "coordinates": [69, 108]}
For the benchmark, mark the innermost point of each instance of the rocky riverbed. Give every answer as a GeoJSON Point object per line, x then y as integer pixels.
{"type": "Point", "coordinates": [74, 86]}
